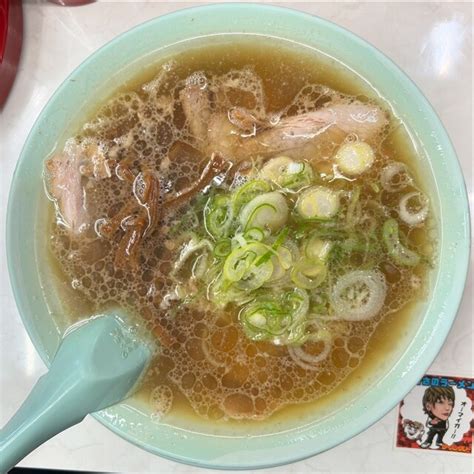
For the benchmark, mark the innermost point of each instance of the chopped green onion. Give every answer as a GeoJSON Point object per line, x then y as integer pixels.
{"type": "Point", "coordinates": [269, 211]}
{"type": "Point", "coordinates": [247, 192]}
{"type": "Point", "coordinates": [287, 173]}
{"type": "Point", "coordinates": [268, 262]}
{"type": "Point", "coordinates": [375, 187]}
{"type": "Point", "coordinates": [275, 167]}
{"type": "Point", "coordinates": [222, 248]}
{"type": "Point", "coordinates": [241, 266]}
{"type": "Point", "coordinates": [296, 176]}
{"type": "Point", "coordinates": [282, 261]}
{"type": "Point", "coordinates": [308, 274]}
{"type": "Point", "coordinates": [358, 295]}
{"type": "Point", "coordinates": [218, 216]}
{"type": "Point", "coordinates": [278, 241]}
{"type": "Point", "coordinates": [319, 301]}
{"type": "Point", "coordinates": [354, 209]}
{"type": "Point", "coordinates": [280, 319]}
{"type": "Point", "coordinates": [191, 248]}
{"type": "Point", "coordinates": [238, 240]}
{"type": "Point", "coordinates": [220, 292]}
{"type": "Point", "coordinates": [318, 202]}
{"type": "Point", "coordinates": [264, 258]}
{"type": "Point", "coordinates": [317, 333]}
{"type": "Point", "coordinates": [395, 177]}
{"type": "Point", "coordinates": [396, 250]}
{"type": "Point", "coordinates": [281, 237]}
{"type": "Point", "coordinates": [285, 257]}
{"type": "Point", "coordinates": [317, 229]}
{"type": "Point", "coordinates": [317, 249]}
{"type": "Point", "coordinates": [255, 234]}
{"type": "Point", "coordinates": [354, 158]}
{"type": "Point", "coordinates": [417, 212]}
{"type": "Point", "coordinates": [266, 207]}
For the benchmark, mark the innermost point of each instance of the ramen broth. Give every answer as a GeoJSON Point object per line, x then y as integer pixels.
{"type": "Point", "coordinates": [258, 212]}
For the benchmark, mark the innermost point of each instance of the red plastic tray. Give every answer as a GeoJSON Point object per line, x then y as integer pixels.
{"type": "Point", "coordinates": [11, 33]}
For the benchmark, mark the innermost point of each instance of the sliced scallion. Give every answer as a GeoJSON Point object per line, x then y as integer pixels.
{"type": "Point", "coordinates": [247, 192]}
{"type": "Point", "coordinates": [218, 216]}
{"type": "Point", "coordinates": [267, 211]}
{"type": "Point", "coordinates": [396, 250]}
{"type": "Point", "coordinates": [222, 248]}
{"type": "Point", "coordinates": [254, 234]}
{"type": "Point", "coordinates": [318, 202]}
{"type": "Point", "coordinates": [308, 274]}
{"type": "Point", "coordinates": [241, 267]}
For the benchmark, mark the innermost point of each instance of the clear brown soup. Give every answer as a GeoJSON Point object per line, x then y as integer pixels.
{"type": "Point", "coordinates": [126, 255]}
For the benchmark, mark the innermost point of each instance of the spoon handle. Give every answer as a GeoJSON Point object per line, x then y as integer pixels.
{"type": "Point", "coordinates": [53, 405]}
{"type": "Point", "coordinates": [96, 366]}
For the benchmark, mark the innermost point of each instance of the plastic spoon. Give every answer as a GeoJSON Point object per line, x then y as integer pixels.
{"type": "Point", "coordinates": [97, 365]}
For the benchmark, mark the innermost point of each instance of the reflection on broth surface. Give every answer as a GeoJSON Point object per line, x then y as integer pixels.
{"type": "Point", "coordinates": [261, 224]}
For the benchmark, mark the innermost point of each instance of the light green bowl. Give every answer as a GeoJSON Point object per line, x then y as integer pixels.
{"type": "Point", "coordinates": [106, 67]}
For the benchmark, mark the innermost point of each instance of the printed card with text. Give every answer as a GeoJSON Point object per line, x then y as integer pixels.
{"type": "Point", "coordinates": [438, 415]}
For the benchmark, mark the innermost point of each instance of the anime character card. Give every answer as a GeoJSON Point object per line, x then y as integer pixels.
{"type": "Point", "coordinates": [438, 415]}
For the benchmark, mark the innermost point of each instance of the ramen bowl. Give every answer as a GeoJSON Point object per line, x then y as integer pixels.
{"type": "Point", "coordinates": [278, 442]}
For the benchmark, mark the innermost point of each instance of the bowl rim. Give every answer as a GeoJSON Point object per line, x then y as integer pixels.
{"type": "Point", "coordinates": [411, 376]}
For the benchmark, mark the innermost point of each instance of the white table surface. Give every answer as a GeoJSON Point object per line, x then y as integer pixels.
{"type": "Point", "coordinates": [432, 42]}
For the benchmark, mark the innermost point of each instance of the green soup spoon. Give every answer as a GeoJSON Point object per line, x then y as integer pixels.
{"type": "Point", "coordinates": [98, 363]}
